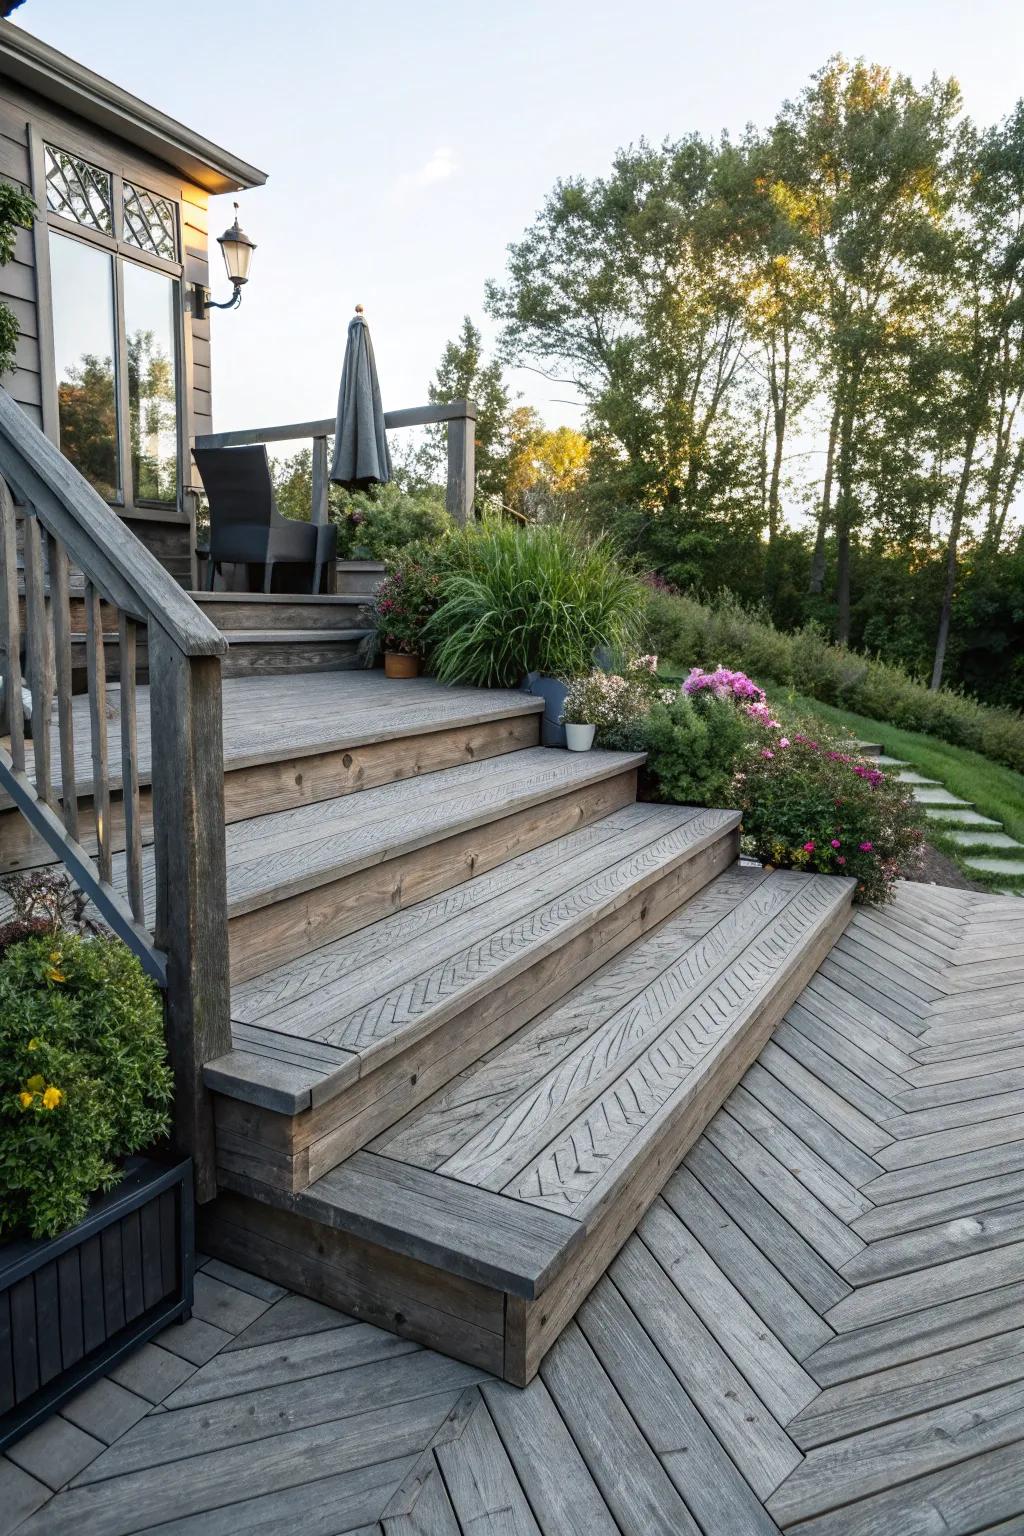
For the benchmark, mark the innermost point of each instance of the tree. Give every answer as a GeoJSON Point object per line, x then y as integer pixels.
{"type": "Point", "coordinates": [462, 374]}
{"type": "Point", "coordinates": [863, 179]}
{"type": "Point", "coordinates": [546, 469]}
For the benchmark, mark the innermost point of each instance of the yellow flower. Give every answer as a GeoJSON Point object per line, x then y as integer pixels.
{"type": "Point", "coordinates": [36, 1083]}
{"type": "Point", "coordinates": [52, 1097]}
{"type": "Point", "coordinates": [56, 975]}
{"type": "Point", "coordinates": [33, 1044]}
{"type": "Point", "coordinates": [25, 1100]}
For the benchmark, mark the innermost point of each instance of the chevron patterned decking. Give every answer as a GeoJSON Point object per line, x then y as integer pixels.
{"type": "Point", "coordinates": [818, 1326]}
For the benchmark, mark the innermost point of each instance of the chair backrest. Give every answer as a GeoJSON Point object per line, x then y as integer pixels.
{"type": "Point", "coordinates": [238, 486]}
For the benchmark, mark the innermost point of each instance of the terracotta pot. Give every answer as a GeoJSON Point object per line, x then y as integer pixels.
{"type": "Point", "coordinates": [398, 664]}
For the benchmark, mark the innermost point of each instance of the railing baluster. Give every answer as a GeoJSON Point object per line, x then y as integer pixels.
{"type": "Point", "coordinates": [127, 635]}
{"type": "Point", "coordinates": [37, 633]}
{"type": "Point", "coordinates": [60, 606]}
{"type": "Point", "coordinates": [96, 673]}
{"type": "Point", "coordinates": [10, 635]}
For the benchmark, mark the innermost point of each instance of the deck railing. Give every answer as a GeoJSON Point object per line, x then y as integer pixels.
{"type": "Point", "coordinates": [460, 416]}
{"type": "Point", "coordinates": [183, 942]}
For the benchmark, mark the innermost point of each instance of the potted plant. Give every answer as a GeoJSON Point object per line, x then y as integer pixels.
{"type": "Point", "coordinates": [97, 1241]}
{"type": "Point", "coordinates": [528, 607]}
{"type": "Point", "coordinates": [401, 608]}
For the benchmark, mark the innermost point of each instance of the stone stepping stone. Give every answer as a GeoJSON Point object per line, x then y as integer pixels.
{"type": "Point", "coordinates": [891, 762]}
{"type": "Point", "coordinates": [996, 866]}
{"type": "Point", "coordinates": [869, 748]}
{"type": "Point", "coordinates": [985, 840]}
{"type": "Point", "coordinates": [965, 818]}
{"type": "Point", "coordinates": [925, 794]}
{"type": "Point", "coordinates": [916, 778]}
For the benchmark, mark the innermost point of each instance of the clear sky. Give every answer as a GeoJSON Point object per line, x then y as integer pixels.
{"type": "Point", "coordinates": [407, 144]}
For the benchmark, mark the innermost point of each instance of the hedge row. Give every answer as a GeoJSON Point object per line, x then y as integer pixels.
{"type": "Point", "coordinates": [685, 632]}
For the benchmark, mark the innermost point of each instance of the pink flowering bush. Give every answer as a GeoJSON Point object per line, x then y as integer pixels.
{"type": "Point", "coordinates": [813, 805]}
{"type": "Point", "coordinates": [403, 603]}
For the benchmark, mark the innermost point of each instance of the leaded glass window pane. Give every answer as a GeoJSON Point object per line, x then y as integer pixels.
{"type": "Point", "coordinates": [77, 190]}
{"type": "Point", "coordinates": [149, 222]}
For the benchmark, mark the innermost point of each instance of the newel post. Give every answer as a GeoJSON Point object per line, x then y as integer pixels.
{"type": "Point", "coordinates": [191, 882]}
{"type": "Point", "coordinates": [461, 492]}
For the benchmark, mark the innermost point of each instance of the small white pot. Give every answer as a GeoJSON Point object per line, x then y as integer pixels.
{"type": "Point", "coordinates": [579, 738]}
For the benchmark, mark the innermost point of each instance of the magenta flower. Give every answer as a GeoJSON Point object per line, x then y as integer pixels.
{"type": "Point", "coordinates": [836, 843]}
{"type": "Point", "coordinates": [808, 847]}
{"type": "Point", "coordinates": [867, 847]}
{"type": "Point", "coordinates": [767, 752]}
{"type": "Point", "coordinates": [840, 860]}
{"type": "Point", "coordinates": [783, 741]}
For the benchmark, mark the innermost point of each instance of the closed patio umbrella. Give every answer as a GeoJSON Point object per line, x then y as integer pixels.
{"type": "Point", "coordinates": [361, 456]}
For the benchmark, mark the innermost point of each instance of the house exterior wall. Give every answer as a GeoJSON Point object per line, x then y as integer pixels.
{"type": "Point", "coordinates": [27, 122]}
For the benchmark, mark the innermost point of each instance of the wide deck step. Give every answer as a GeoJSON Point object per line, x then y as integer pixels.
{"type": "Point", "coordinates": [480, 1220]}
{"type": "Point", "coordinates": [335, 1046]}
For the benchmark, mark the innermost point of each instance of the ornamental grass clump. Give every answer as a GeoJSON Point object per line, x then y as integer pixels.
{"type": "Point", "coordinates": [540, 599]}
{"type": "Point", "coordinates": [808, 804]}
{"type": "Point", "coordinates": [84, 1079]}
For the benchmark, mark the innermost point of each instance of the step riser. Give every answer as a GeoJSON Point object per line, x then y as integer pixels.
{"type": "Point", "coordinates": [289, 1152]}
{"type": "Point", "coordinates": [286, 929]}
{"type": "Point", "coordinates": [471, 1320]}
{"type": "Point", "coordinates": [282, 613]}
{"type": "Point", "coordinates": [281, 785]}
{"type": "Point", "coordinates": [283, 658]}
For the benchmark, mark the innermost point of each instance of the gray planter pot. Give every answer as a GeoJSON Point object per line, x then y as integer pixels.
{"type": "Point", "coordinates": [553, 691]}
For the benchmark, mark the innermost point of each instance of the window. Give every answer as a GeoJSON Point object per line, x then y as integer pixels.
{"type": "Point", "coordinates": [149, 321]}
{"type": "Point", "coordinates": [83, 335]}
{"type": "Point", "coordinates": [115, 293]}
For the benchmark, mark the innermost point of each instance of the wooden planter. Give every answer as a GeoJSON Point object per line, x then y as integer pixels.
{"type": "Point", "coordinates": [398, 664]}
{"type": "Point", "coordinates": [71, 1306]}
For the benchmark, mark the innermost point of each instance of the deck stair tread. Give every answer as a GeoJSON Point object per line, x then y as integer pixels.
{"type": "Point", "coordinates": [292, 636]}
{"type": "Point", "coordinates": [355, 1002]}
{"type": "Point", "coordinates": [568, 1117]}
{"type": "Point", "coordinates": [286, 852]}
{"type": "Point", "coordinates": [337, 712]}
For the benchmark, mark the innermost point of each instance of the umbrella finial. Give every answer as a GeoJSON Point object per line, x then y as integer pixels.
{"type": "Point", "coordinates": [359, 309]}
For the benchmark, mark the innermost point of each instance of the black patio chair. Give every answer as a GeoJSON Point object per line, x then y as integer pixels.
{"type": "Point", "coordinates": [245, 525]}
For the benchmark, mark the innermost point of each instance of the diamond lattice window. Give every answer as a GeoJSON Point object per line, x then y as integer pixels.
{"type": "Point", "coordinates": [78, 191]}
{"type": "Point", "coordinates": [149, 222]}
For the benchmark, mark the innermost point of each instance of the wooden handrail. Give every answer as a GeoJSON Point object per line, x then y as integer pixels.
{"type": "Point", "coordinates": [458, 414]}
{"type": "Point", "coordinates": [95, 538]}
{"type": "Point", "coordinates": [183, 943]}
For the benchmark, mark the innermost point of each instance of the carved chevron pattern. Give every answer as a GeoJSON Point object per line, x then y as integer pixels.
{"type": "Point", "coordinates": [497, 1088]}
{"type": "Point", "coordinates": [315, 988]}
{"type": "Point", "coordinates": [654, 999]}
{"type": "Point", "coordinates": [410, 1005]}
{"type": "Point", "coordinates": [569, 1172]}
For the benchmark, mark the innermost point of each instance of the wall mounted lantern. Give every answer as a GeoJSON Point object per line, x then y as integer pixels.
{"type": "Point", "coordinates": [237, 249]}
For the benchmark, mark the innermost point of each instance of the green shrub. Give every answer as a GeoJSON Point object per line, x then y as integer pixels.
{"type": "Point", "coordinates": [383, 523]}
{"type": "Point", "coordinates": [530, 599]}
{"type": "Point", "coordinates": [83, 1074]}
{"type": "Point", "coordinates": [809, 805]}
{"type": "Point", "coordinates": [402, 605]}
{"type": "Point", "coordinates": [693, 746]}
{"type": "Point", "coordinates": [685, 631]}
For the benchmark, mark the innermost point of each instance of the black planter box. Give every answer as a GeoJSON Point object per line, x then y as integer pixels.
{"type": "Point", "coordinates": [71, 1306]}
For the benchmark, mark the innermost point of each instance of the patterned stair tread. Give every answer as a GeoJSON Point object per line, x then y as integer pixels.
{"type": "Point", "coordinates": [306, 1029]}
{"type": "Point", "coordinates": [284, 853]}
{"type": "Point", "coordinates": [585, 1108]}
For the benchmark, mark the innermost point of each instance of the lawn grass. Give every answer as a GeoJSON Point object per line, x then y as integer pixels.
{"type": "Point", "coordinates": [994, 790]}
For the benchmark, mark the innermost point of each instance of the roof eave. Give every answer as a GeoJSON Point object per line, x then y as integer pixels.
{"type": "Point", "coordinates": [52, 74]}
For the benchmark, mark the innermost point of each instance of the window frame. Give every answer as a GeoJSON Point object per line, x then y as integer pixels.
{"type": "Point", "coordinates": [120, 250]}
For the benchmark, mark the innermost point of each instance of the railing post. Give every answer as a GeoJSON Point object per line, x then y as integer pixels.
{"type": "Point", "coordinates": [461, 492]}
{"type": "Point", "coordinates": [191, 882]}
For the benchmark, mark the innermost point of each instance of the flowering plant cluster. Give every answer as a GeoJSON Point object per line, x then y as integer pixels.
{"type": "Point", "coordinates": [402, 604]}
{"type": "Point", "coordinates": [605, 699]}
{"type": "Point", "coordinates": [84, 1079]}
{"type": "Point", "coordinates": [809, 804]}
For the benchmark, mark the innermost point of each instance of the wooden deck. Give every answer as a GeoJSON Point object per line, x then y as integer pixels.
{"type": "Point", "coordinates": [818, 1326]}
